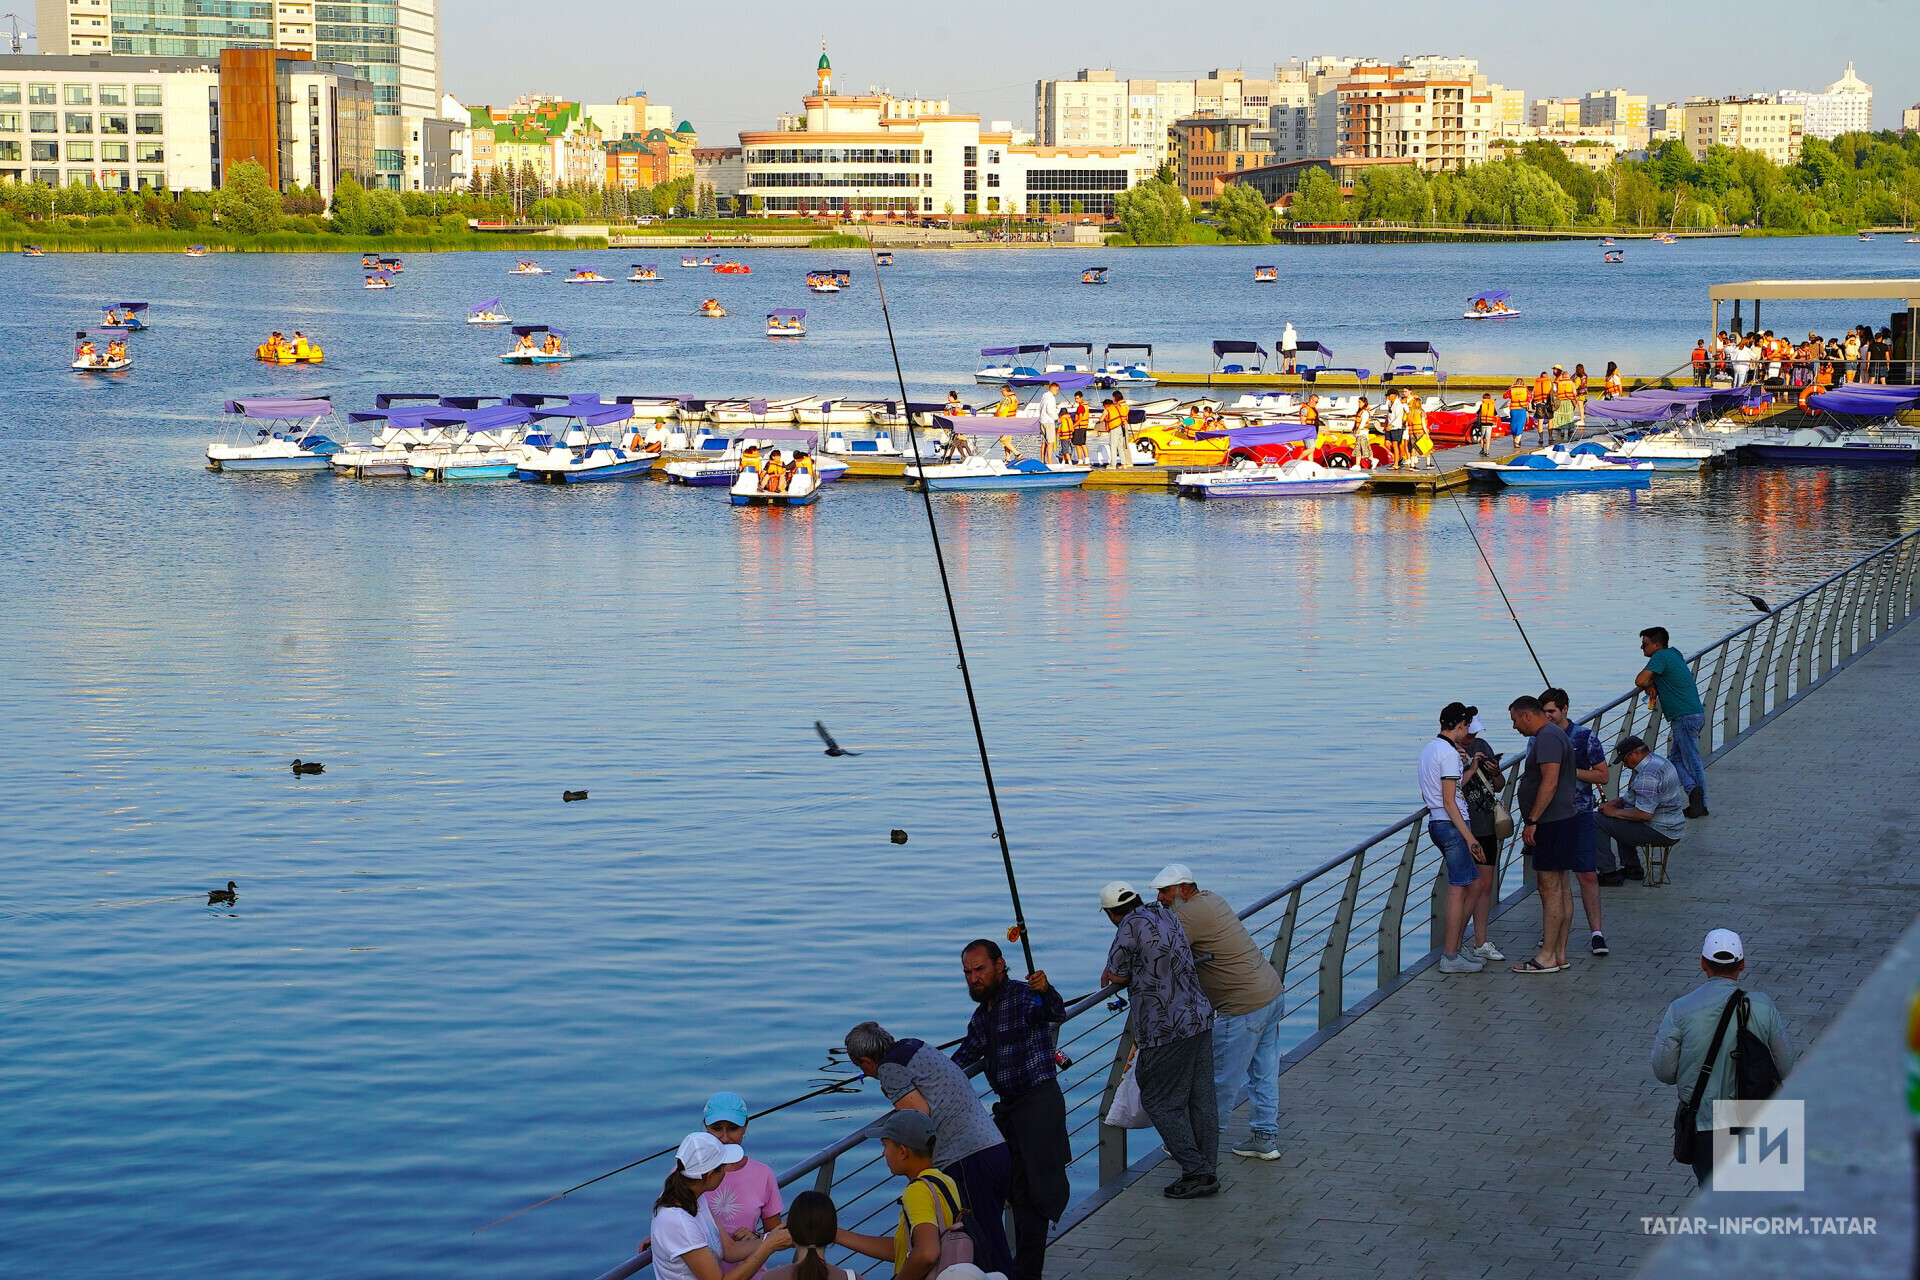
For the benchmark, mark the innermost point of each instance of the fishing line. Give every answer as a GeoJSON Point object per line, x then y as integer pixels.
{"type": "Point", "coordinates": [1496, 582]}
{"type": "Point", "coordinates": [953, 616]}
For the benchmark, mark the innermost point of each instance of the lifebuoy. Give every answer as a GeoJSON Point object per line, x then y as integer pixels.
{"type": "Point", "coordinates": [1340, 461]}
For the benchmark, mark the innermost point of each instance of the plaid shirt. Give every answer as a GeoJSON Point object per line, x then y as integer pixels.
{"type": "Point", "coordinates": [1013, 1032]}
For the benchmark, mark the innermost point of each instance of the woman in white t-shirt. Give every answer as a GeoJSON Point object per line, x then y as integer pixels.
{"type": "Point", "coordinates": [686, 1241]}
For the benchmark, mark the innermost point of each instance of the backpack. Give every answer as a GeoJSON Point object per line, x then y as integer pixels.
{"type": "Point", "coordinates": [956, 1246]}
{"type": "Point", "coordinates": [1755, 1074]}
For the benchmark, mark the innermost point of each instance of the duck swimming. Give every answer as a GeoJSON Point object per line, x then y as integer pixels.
{"type": "Point", "coordinates": [570, 796]}
{"type": "Point", "coordinates": [308, 766]}
{"type": "Point", "coordinates": [226, 896]}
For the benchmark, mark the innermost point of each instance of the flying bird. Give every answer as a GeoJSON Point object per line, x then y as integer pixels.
{"type": "Point", "coordinates": [1756, 602]}
{"type": "Point", "coordinates": [226, 896]}
{"type": "Point", "coordinates": [308, 766]}
{"type": "Point", "coordinates": [570, 796]}
{"type": "Point", "coordinates": [833, 748]}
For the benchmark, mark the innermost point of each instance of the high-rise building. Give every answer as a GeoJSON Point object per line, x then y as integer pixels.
{"type": "Point", "coordinates": [1910, 119]}
{"type": "Point", "coordinates": [1509, 110]}
{"type": "Point", "coordinates": [1439, 121]}
{"type": "Point", "coordinates": [1098, 108]}
{"type": "Point", "coordinates": [394, 45]}
{"type": "Point", "coordinates": [1554, 113]}
{"type": "Point", "coordinates": [1845, 106]}
{"type": "Point", "coordinates": [1208, 150]}
{"type": "Point", "coordinates": [1613, 106]}
{"type": "Point", "coordinates": [1773, 129]}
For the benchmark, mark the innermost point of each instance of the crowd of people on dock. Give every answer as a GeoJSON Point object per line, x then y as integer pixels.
{"type": "Point", "coordinates": [1861, 355]}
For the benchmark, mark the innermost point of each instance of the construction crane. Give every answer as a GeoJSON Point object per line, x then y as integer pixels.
{"type": "Point", "coordinates": [19, 40]}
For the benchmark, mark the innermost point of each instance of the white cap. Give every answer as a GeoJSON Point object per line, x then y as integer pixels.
{"type": "Point", "coordinates": [1174, 873]}
{"type": "Point", "coordinates": [1477, 727]}
{"type": "Point", "coordinates": [1723, 947]}
{"type": "Point", "coordinates": [1114, 893]}
{"type": "Point", "coordinates": [701, 1153]}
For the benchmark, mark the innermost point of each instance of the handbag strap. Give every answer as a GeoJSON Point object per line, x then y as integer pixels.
{"type": "Point", "coordinates": [1713, 1050]}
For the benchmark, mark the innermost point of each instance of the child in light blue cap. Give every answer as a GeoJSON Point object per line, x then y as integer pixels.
{"type": "Point", "coordinates": [747, 1202]}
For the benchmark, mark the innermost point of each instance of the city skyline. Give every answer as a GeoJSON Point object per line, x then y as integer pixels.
{"type": "Point", "coordinates": [991, 70]}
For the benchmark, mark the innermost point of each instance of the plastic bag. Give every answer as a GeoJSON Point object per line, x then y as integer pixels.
{"type": "Point", "coordinates": [1127, 1111]}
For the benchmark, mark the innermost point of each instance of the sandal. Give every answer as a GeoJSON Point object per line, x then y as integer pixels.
{"type": "Point", "coordinates": [1534, 966]}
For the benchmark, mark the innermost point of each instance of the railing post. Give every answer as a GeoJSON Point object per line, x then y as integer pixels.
{"type": "Point", "coordinates": [1761, 682]}
{"type": "Point", "coordinates": [1792, 660]}
{"type": "Point", "coordinates": [1507, 794]}
{"type": "Point", "coordinates": [1823, 638]}
{"type": "Point", "coordinates": [1730, 720]}
{"type": "Point", "coordinates": [1437, 908]}
{"type": "Point", "coordinates": [1850, 610]}
{"type": "Point", "coordinates": [1282, 953]}
{"type": "Point", "coordinates": [1387, 968]}
{"type": "Point", "coordinates": [1913, 572]}
{"type": "Point", "coordinates": [1711, 704]}
{"type": "Point", "coordinates": [823, 1180]}
{"type": "Point", "coordinates": [1333, 955]}
{"type": "Point", "coordinates": [1876, 620]}
{"type": "Point", "coordinates": [1113, 1141]}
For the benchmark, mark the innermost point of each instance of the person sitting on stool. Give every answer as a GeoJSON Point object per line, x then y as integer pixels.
{"type": "Point", "coordinates": [1651, 810]}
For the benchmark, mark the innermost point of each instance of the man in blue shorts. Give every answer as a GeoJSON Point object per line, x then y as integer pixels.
{"type": "Point", "coordinates": [1440, 770]}
{"type": "Point", "coordinates": [1552, 829]}
{"type": "Point", "coordinates": [1589, 770]}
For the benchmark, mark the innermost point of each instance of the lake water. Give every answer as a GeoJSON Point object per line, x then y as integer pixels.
{"type": "Point", "coordinates": [444, 993]}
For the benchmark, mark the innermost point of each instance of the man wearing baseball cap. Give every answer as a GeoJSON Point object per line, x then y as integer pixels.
{"type": "Point", "coordinates": [928, 1207]}
{"type": "Point", "coordinates": [1244, 991]}
{"type": "Point", "coordinates": [1173, 1025]}
{"type": "Point", "coordinates": [1651, 809]}
{"type": "Point", "coordinates": [1687, 1032]}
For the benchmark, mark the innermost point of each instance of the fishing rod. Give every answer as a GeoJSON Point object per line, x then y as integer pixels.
{"type": "Point", "coordinates": [953, 618]}
{"type": "Point", "coordinates": [1497, 586]}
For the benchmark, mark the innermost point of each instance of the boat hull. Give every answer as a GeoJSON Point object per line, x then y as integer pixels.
{"type": "Point", "coordinates": [1831, 455]}
{"type": "Point", "coordinates": [313, 462]}
{"type": "Point", "coordinates": [625, 470]}
{"type": "Point", "coordinates": [1637, 478]}
{"type": "Point", "coordinates": [1274, 488]}
{"type": "Point", "coordinates": [513, 359]}
{"type": "Point", "coordinates": [806, 499]}
{"type": "Point", "coordinates": [1015, 480]}
{"type": "Point", "coordinates": [364, 470]}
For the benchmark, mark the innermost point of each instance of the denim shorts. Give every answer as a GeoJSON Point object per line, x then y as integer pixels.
{"type": "Point", "coordinates": [1462, 870]}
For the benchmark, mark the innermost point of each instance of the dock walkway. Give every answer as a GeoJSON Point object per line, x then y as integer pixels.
{"type": "Point", "coordinates": [1494, 1125]}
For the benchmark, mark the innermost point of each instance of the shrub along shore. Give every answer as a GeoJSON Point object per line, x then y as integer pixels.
{"type": "Point", "coordinates": [58, 239]}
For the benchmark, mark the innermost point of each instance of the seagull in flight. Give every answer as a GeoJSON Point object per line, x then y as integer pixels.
{"type": "Point", "coordinates": [1756, 602]}
{"type": "Point", "coordinates": [833, 748]}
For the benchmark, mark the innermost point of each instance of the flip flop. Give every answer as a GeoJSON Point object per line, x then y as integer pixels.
{"type": "Point", "coordinates": [1533, 966]}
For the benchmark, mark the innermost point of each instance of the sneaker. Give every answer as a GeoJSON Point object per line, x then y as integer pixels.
{"type": "Point", "coordinates": [1260, 1146]}
{"type": "Point", "coordinates": [1597, 944]}
{"type": "Point", "coordinates": [1635, 873]}
{"type": "Point", "coordinates": [1191, 1186]}
{"type": "Point", "coordinates": [1697, 803]}
{"type": "Point", "coordinates": [1460, 964]}
{"type": "Point", "coordinates": [1611, 879]}
{"type": "Point", "coordinates": [1487, 951]}
{"type": "Point", "coordinates": [1205, 1185]}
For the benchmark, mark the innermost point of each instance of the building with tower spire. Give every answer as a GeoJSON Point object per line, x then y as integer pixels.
{"type": "Point", "coordinates": [824, 74]}
{"type": "Point", "coordinates": [1845, 106]}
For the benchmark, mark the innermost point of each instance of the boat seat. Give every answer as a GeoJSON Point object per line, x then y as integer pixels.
{"type": "Point", "coordinates": [858, 446]}
{"type": "Point", "coordinates": [713, 444]}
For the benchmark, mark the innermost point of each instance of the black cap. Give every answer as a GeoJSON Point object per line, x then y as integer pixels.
{"type": "Point", "coordinates": [1455, 714]}
{"type": "Point", "coordinates": [1627, 746]}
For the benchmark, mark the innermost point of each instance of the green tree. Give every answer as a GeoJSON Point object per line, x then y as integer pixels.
{"type": "Point", "coordinates": [555, 209]}
{"type": "Point", "coordinates": [1243, 214]}
{"type": "Point", "coordinates": [246, 200]}
{"type": "Point", "coordinates": [1153, 213]}
{"type": "Point", "coordinates": [385, 213]}
{"type": "Point", "coordinates": [707, 206]}
{"type": "Point", "coordinates": [1077, 208]}
{"type": "Point", "coordinates": [1317, 199]}
{"type": "Point", "coordinates": [350, 208]}
{"type": "Point", "coordinates": [1394, 193]}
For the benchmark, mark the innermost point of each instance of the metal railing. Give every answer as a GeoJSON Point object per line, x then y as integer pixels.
{"type": "Point", "coordinates": [1342, 936]}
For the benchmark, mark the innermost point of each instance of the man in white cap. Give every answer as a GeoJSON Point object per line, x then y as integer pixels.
{"type": "Point", "coordinates": [1244, 991]}
{"type": "Point", "coordinates": [1173, 1025]}
{"type": "Point", "coordinates": [1708, 1014]}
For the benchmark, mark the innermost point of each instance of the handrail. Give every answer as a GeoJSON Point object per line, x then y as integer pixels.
{"type": "Point", "coordinates": [1751, 674]}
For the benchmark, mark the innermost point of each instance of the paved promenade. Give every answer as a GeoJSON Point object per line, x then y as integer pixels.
{"type": "Point", "coordinates": [1494, 1125]}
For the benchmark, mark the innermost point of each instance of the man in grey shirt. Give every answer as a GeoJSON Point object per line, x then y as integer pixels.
{"type": "Point", "coordinates": [1173, 1026]}
{"type": "Point", "coordinates": [1686, 1033]}
{"type": "Point", "coordinates": [969, 1147]}
{"type": "Point", "coordinates": [1551, 833]}
{"type": "Point", "coordinates": [1651, 810]}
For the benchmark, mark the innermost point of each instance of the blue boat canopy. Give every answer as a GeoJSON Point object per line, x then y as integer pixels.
{"type": "Point", "coordinates": [1302, 348]}
{"type": "Point", "coordinates": [977, 425]}
{"type": "Point", "coordinates": [1491, 295]}
{"type": "Point", "coordinates": [592, 415]}
{"type": "Point", "coordinates": [1231, 346]}
{"type": "Point", "coordinates": [532, 399]}
{"type": "Point", "coordinates": [426, 416]}
{"type": "Point", "coordinates": [1273, 433]}
{"type": "Point", "coordinates": [525, 329]}
{"type": "Point", "coordinates": [384, 261]}
{"type": "Point", "coordinates": [496, 416]}
{"type": "Point", "coordinates": [280, 407]}
{"type": "Point", "coordinates": [999, 351]}
{"type": "Point", "coordinates": [1071, 346]}
{"type": "Point", "coordinates": [466, 402]}
{"type": "Point", "coordinates": [387, 399]}
{"type": "Point", "coordinates": [488, 305]}
{"type": "Point", "coordinates": [1130, 346]}
{"type": "Point", "coordinates": [798, 313]}
{"type": "Point", "coordinates": [124, 306]}
{"type": "Point", "coordinates": [1265, 266]}
{"type": "Point", "coordinates": [1068, 381]}
{"type": "Point", "coordinates": [111, 335]}
{"type": "Point", "coordinates": [1411, 348]}
{"type": "Point", "coordinates": [1867, 400]}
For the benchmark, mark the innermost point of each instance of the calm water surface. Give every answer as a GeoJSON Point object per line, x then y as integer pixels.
{"type": "Point", "coordinates": [444, 993]}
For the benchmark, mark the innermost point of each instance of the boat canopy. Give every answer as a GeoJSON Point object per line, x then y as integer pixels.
{"type": "Point", "coordinates": [643, 266]}
{"type": "Point", "coordinates": [381, 274]}
{"type": "Point", "coordinates": [496, 416]}
{"type": "Point", "coordinates": [488, 305]}
{"type": "Point", "coordinates": [777, 433]}
{"type": "Point", "coordinates": [1863, 400]}
{"type": "Point", "coordinates": [1411, 349]}
{"type": "Point", "coordinates": [1230, 346]}
{"type": "Point", "coordinates": [1070, 346]}
{"type": "Point", "coordinates": [1636, 408]}
{"type": "Point", "coordinates": [1321, 349]}
{"type": "Point", "coordinates": [592, 415]}
{"type": "Point", "coordinates": [1067, 381]}
{"type": "Point", "coordinates": [1101, 270]}
{"type": "Point", "coordinates": [384, 261]}
{"type": "Point", "coordinates": [1271, 433]}
{"type": "Point", "coordinates": [111, 335]}
{"type": "Point", "coordinates": [525, 329]}
{"type": "Point", "coordinates": [798, 313]}
{"type": "Point", "coordinates": [467, 402]}
{"type": "Point", "coordinates": [1010, 351]}
{"type": "Point", "coordinates": [426, 416]}
{"type": "Point", "coordinates": [123, 306]}
{"type": "Point", "coordinates": [1129, 346]}
{"type": "Point", "coordinates": [280, 407]}
{"type": "Point", "coordinates": [976, 425]}
{"type": "Point", "coordinates": [386, 399]}
{"type": "Point", "coordinates": [1265, 266]}
{"type": "Point", "coordinates": [1491, 295]}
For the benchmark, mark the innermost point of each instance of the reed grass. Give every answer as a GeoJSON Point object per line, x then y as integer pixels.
{"type": "Point", "coordinates": [837, 241]}
{"type": "Point", "coordinates": [63, 240]}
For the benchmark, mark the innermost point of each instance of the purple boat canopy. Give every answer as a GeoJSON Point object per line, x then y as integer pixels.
{"type": "Point", "coordinates": [280, 407]}
{"type": "Point", "coordinates": [124, 306]}
{"type": "Point", "coordinates": [1070, 346]}
{"type": "Point", "coordinates": [798, 313]}
{"type": "Point", "coordinates": [776, 433]}
{"type": "Point", "coordinates": [1067, 381]}
{"type": "Point", "coordinates": [1270, 433]}
{"type": "Point", "coordinates": [524, 329]}
{"type": "Point", "coordinates": [1491, 295]}
{"type": "Point", "coordinates": [1866, 400]}
{"type": "Point", "coordinates": [387, 399]}
{"type": "Point", "coordinates": [975, 425]}
{"type": "Point", "coordinates": [1411, 349]}
{"type": "Point", "coordinates": [496, 416]}
{"type": "Point", "coordinates": [1322, 349]}
{"type": "Point", "coordinates": [488, 305]}
{"type": "Point", "coordinates": [1232, 346]}
{"type": "Point", "coordinates": [592, 415]}
{"type": "Point", "coordinates": [382, 274]}
{"type": "Point", "coordinates": [467, 402]}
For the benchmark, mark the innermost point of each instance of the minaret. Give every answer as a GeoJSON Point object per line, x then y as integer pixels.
{"type": "Point", "coordinates": [824, 73]}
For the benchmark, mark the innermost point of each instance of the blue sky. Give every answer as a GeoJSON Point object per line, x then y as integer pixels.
{"type": "Point", "coordinates": [734, 64]}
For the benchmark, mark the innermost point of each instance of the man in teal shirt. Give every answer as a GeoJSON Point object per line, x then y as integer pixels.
{"type": "Point", "coordinates": [1670, 687]}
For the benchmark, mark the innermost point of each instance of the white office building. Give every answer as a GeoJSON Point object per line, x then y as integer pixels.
{"type": "Point", "coordinates": [1845, 106]}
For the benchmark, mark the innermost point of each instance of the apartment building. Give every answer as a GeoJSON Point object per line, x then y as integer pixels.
{"type": "Point", "coordinates": [877, 153]}
{"type": "Point", "coordinates": [1845, 106]}
{"type": "Point", "coordinates": [1774, 129]}
{"type": "Point", "coordinates": [1209, 150]}
{"type": "Point", "coordinates": [1605, 107]}
{"type": "Point", "coordinates": [1441, 122]}
{"type": "Point", "coordinates": [1554, 113]}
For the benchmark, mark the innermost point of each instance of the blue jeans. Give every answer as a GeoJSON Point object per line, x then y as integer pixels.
{"type": "Point", "coordinates": [1246, 1064]}
{"type": "Point", "coordinates": [1686, 752]}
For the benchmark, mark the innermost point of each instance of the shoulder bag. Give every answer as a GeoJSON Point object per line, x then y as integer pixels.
{"type": "Point", "coordinates": [1686, 1129]}
{"type": "Point", "coordinates": [1755, 1075]}
{"type": "Point", "coordinates": [956, 1246]}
